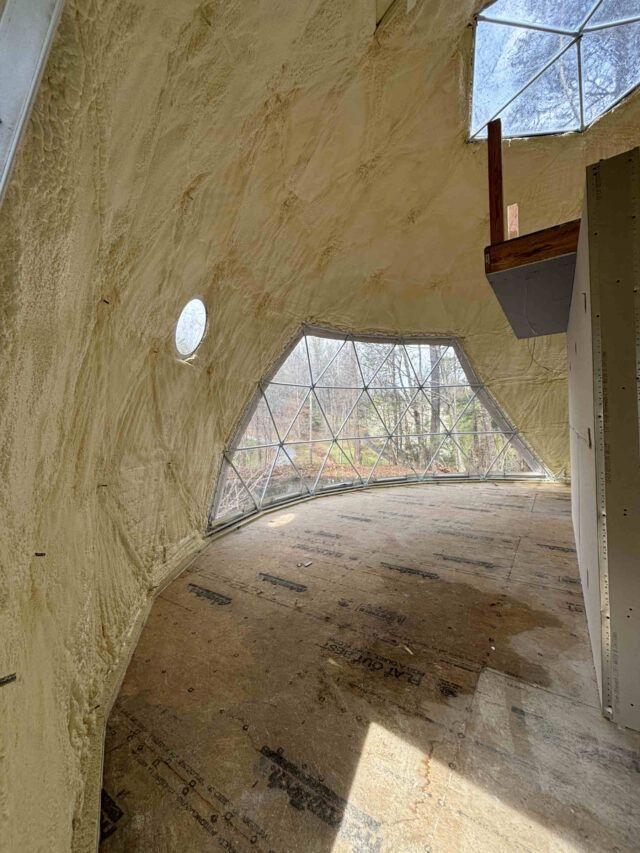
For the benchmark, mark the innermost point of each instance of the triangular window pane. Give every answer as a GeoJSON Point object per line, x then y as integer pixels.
{"type": "Point", "coordinates": [510, 463]}
{"type": "Point", "coordinates": [557, 14]}
{"type": "Point", "coordinates": [285, 482]}
{"type": "Point", "coordinates": [254, 466]}
{"type": "Point", "coordinates": [343, 372]}
{"type": "Point", "coordinates": [392, 404]}
{"type": "Point", "coordinates": [610, 67]}
{"type": "Point", "coordinates": [448, 370]}
{"type": "Point", "coordinates": [363, 453]}
{"type": "Point", "coordinates": [449, 459]}
{"type": "Point", "coordinates": [321, 353]}
{"type": "Point", "coordinates": [393, 463]}
{"type": "Point", "coordinates": [336, 404]}
{"type": "Point", "coordinates": [260, 429]}
{"type": "Point", "coordinates": [415, 451]}
{"type": "Point", "coordinates": [285, 401]}
{"type": "Point", "coordinates": [481, 450]}
{"type": "Point", "coordinates": [424, 359]}
{"type": "Point", "coordinates": [396, 372]}
{"type": "Point", "coordinates": [371, 357]}
{"type": "Point", "coordinates": [613, 11]}
{"type": "Point", "coordinates": [549, 105]}
{"type": "Point", "coordinates": [309, 459]}
{"type": "Point", "coordinates": [310, 423]}
{"type": "Point", "coordinates": [364, 420]}
{"type": "Point", "coordinates": [476, 417]}
{"type": "Point", "coordinates": [234, 499]}
{"type": "Point", "coordinates": [337, 469]}
{"type": "Point", "coordinates": [506, 60]}
{"type": "Point", "coordinates": [454, 405]}
{"type": "Point", "coordinates": [295, 369]}
{"type": "Point", "coordinates": [421, 417]}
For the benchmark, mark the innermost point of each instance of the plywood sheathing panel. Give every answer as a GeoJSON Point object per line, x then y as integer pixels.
{"type": "Point", "coordinates": [377, 671]}
{"type": "Point", "coordinates": [289, 167]}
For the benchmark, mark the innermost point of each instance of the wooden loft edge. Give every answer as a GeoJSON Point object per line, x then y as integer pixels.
{"type": "Point", "coordinates": [540, 246]}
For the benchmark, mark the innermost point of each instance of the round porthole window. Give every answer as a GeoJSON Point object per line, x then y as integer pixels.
{"type": "Point", "coordinates": [190, 327]}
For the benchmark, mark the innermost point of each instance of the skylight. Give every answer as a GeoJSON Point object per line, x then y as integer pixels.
{"type": "Point", "coordinates": [545, 66]}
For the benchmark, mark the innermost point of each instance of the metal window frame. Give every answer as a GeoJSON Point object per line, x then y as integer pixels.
{"type": "Point", "coordinates": [576, 39]}
{"type": "Point", "coordinates": [336, 439]}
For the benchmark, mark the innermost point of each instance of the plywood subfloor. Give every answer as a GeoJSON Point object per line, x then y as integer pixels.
{"type": "Point", "coordinates": [404, 669]}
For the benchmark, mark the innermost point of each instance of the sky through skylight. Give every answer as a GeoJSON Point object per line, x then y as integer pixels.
{"type": "Point", "coordinates": [544, 66]}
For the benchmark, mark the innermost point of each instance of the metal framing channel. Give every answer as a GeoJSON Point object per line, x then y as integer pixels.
{"type": "Point", "coordinates": [593, 190]}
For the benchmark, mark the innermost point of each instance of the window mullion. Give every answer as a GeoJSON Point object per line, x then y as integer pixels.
{"type": "Point", "coordinates": [580, 83]}
{"type": "Point", "coordinates": [540, 28]}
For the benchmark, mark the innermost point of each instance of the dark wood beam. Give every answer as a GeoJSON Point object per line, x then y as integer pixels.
{"type": "Point", "coordinates": [496, 200]}
{"type": "Point", "coordinates": [540, 246]}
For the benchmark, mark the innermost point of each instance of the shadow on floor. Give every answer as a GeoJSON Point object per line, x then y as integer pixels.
{"type": "Point", "coordinates": [397, 670]}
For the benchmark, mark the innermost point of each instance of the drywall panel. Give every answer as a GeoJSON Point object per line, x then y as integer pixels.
{"type": "Point", "coordinates": [603, 345]}
{"type": "Point", "coordinates": [583, 462]}
{"type": "Point", "coordinates": [613, 194]}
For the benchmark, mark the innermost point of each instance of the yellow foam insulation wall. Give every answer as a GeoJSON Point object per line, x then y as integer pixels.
{"type": "Point", "coordinates": [288, 165]}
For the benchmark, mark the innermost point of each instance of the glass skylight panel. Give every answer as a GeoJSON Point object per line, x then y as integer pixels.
{"type": "Point", "coordinates": [611, 63]}
{"type": "Point", "coordinates": [551, 104]}
{"type": "Point", "coordinates": [507, 59]}
{"type": "Point", "coordinates": [390, 411]}
{"type": "Point", "coordinates": [615, 11]}
{"type": "Point", "coordinates": [558, 14]}
{"type": "Point", "coordinates": [528, 59]}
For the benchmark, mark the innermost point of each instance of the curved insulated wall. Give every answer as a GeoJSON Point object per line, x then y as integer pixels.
{"type": "Point", "coordinates": [343, 412]}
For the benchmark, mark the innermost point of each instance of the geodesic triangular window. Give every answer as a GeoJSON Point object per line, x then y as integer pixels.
{"type": "Point", "coordinates": [261, 429]}
{"type": "Point", "coordinates": [285, 402]}
{"type": "Point", "coordinates": [363, 420]}
{"type": "Point", "coordinates": [254, 467]}
{"type": "Point", "coordinates": [343, 371]}
{"type": "Point", "coordinates": [371, 357]}
{"type": "Point", "coordinates": [284, 481]}
{"type": "Point", "coordinates": [396, 461]}
{"type": "Point", "coordinates": [235, 500]}
{"type": "Point", "coordinates": [422, 415]}
{"type": "Point", "coordinates": [388, 411]}
{"type": "Point", "coordinates": [336, 404]}
{"type": "Point", "coordinates": [363, 453]}
{"type": "Point", "coordinates": [397, 372]}
{"type": "Point", "coordinates": [322, 352]}
{"type": "Point", "coordinates": [309, 459]}
{"type": "Point", "coordinates": [310, 424]}
{"type": "Point", "coordinates": [338, 469]}
{"type": "Point", "coordinates": [544, 66]}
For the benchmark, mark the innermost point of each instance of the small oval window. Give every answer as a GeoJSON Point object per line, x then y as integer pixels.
{"type": "Point", "coordinates": [190, 327]}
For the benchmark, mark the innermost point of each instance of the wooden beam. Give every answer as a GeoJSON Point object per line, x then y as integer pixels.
{"type": "Point", "coordinates": [496, 201]}
{"type": "Point", "coordinates": [539, 246]}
